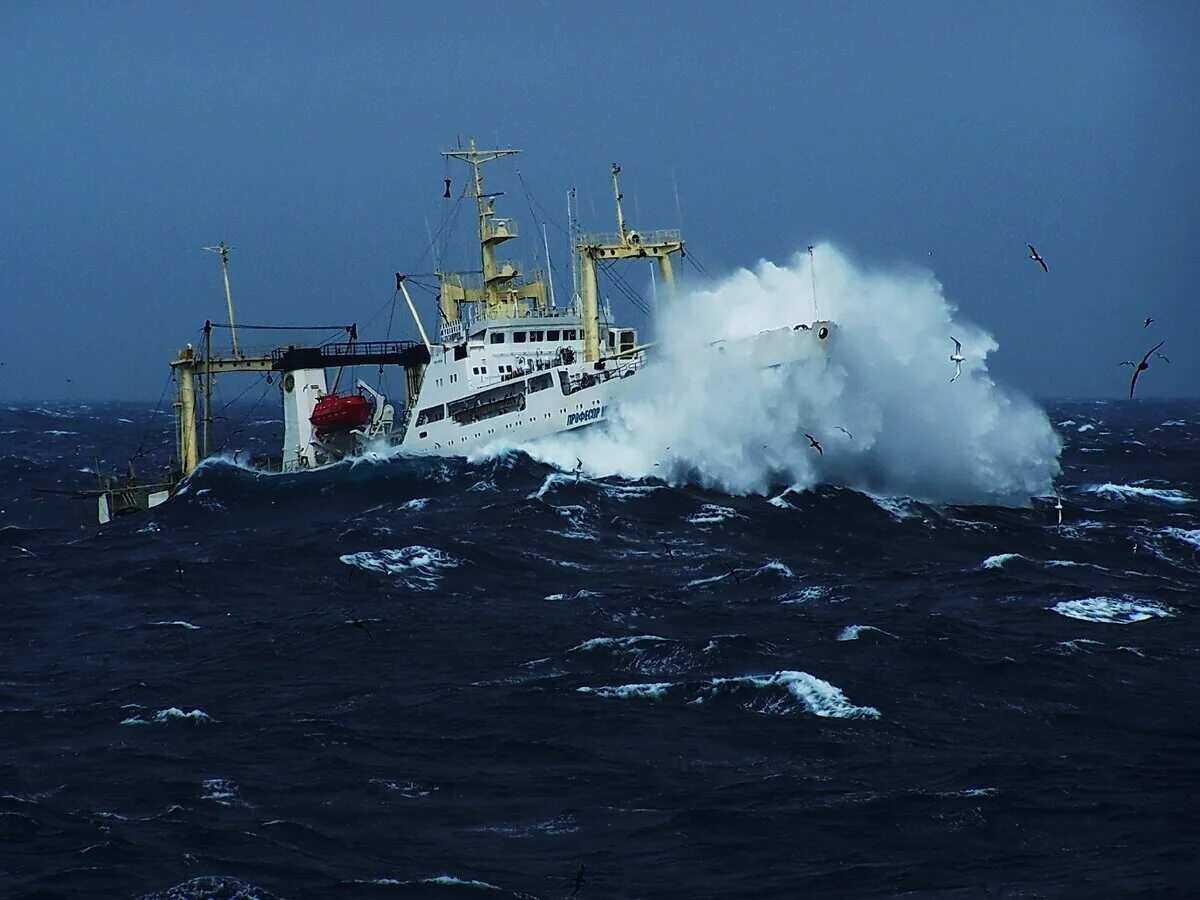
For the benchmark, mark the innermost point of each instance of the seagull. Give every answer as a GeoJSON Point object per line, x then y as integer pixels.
{"type": "Point", "coordinates": [1033, 254]}
{"type": "Point", "coordinates": [1146, 324]}
{"type": "Point", "coordinates": [813, 442]}
{"type": "Point", "coordinates": [446, 193]}
{"type": "Point", "coordinates": [1142, 366]}
{"type": "Point", "coordinates": [1163, 358]}
{"type": "Point", "coordinates": [957, 358]}
{"type": "Point", "coordinates": [844, 431]}
{"type": "Point", "coordinates": [732, 571]}
{"type": "Point", "coordinates": [1058, 506]}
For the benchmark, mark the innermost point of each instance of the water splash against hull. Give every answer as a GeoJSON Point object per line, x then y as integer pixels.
{"type": "Point", "coordinates": [889, 420]}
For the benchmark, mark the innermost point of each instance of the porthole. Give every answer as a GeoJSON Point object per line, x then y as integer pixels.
{"type": "Point", "coordinates": [823, 332]}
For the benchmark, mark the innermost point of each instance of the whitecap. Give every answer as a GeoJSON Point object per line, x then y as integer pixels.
{"type": "Point", "coordinates": [998, 561]}
{"type": "Point", "coordinates": [416, 504]}
{"type": "Point", "coordinates": [818, 696]}
{"type": "Point", "coordinates": [1132, 491]}
{"type": "Point", "coordinates": [712, 514]}
{"type": "Point", "coordinates": [807, 594]}
{"type": "Point", "coordinates": [624, 643]}
{"type": "Point", "coordinates": [1184, 535]}
{"type": "Point", "coordinates": [418, 566]}
{"type": "Point", "coordinates": [853, 632]}
{"type": "Point", "coordinates": [180, 623]}
{"type": "Point", "coordinates": [1083, 428]}
{"type": "Point", "coordinates": [625, 691]}
{"type": "Point", "coordinates": [221, 790]}
{"type": "Point", "coordinates": [775, 566]}
{"type": "Point", "coordinates": [1116, 611]}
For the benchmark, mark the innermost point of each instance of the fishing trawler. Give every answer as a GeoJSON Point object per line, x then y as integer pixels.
{"type": "Point", "coordinates": [509, 366]}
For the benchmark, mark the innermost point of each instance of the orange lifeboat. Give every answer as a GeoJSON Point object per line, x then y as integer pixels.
{"type": "Point", "coordinates": [340, 412]}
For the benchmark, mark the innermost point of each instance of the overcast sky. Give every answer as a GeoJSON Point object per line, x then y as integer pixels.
{"type": "Point", "coordinates": [307, 135]}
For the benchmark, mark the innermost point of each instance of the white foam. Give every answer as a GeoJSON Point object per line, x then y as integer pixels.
{"type": "Point", "coordinates": [221, 790]}
{"type": "Point", "coordinates": [818, 696]}
{"type": "Point", "coordinates": [775, 566]}
{"type": "Point", "coordinates": [416, 504]}
{"type": "Point", "coordinates": [626, 691]}
{"type": "Point", "coordinates": [166, 715]}
{"type": "Point", "coordinates": [1184, 535]}
{"type": "Point", "coordinates": [1133, 491]}
{"type": "Point", "coordinates": [623, 643]}
{"type": "Point", "coordinates": [998, 561]}
{"type": "Point", "coordinates": [853, 632]}
{"type": "Point", "coordinates": [1115, 611]}
{"type": "Point", "coordinates": [181, 624]}
{"type": "Point", "coordinates": [418, 566]}
{"type": "Point", "coordinates": [712, 514]}
{"type": "Point", "coordinates": [807, 594]}
{"type": "Point", "coordinates": [1082, 428]}
{"type": "Point", "coordinates": [887, 382]}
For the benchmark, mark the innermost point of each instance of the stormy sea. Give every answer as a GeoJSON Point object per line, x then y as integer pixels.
{"type": "Point", "coordinates": [501, 677]}
{"type": "Point", "coordinates": [792, 630]}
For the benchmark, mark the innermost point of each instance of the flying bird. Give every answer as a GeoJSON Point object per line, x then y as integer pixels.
{"type": "Point", "coordinates": [1160, 356]}
{"type": "Point", "coordinates": [844, 431]}
{"type": "Point", "coordinates": [957, 358]}
{"type": "Point", "coordinates": [814, 443]}
{"type": "Point", "coordinates": [1058, 506]}
{"type": "Point", "coordinates": [1146, 324]}
{"type": "Point", "coordinates": [1142, 367]}
{"type": "Point", "coordinates": [732, 571]}
{"type": "Point", "coordinates": [446, 194]}
{"type": "Point", "coordinates": [1033, 254]}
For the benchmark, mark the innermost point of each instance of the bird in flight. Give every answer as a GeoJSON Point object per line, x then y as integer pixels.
{"type": "Point", "coordinates": [1160, 356]}
{"type": "Point", "coordinates": [815, 444]}
{"type": "Point", "coordinates": [732, 571]}
{"type": "Point", "coordinates": [957, 358]}
{"type": "Point", "coordinates": [1058, 506]}
{"type": "Point", "coordinates": [1033, 254]}
{"type": "Point", "coordinates": [1142, 367]}
{"type": "Point", "coordinates": [1146, 324]}
{"type": "Point", "coordinates": [844, 431]}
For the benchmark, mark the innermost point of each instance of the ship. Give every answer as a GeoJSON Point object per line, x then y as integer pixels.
{"type": "Point", "coordinates": [510, 365]}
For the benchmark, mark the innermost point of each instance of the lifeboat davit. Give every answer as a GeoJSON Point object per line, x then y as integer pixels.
{"type": "Point", "coordinates": [340, 412]}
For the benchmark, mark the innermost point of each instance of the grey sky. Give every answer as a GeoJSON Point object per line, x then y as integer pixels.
{"type": "Point", "coordinates": [307, 135]}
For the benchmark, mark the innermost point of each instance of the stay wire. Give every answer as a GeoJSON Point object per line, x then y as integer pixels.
{"type": "Point", "coordinates": [139, 453]}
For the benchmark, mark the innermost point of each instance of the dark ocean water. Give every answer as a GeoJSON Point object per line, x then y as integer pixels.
{"type": "Point", "coordinates": [882, 698]}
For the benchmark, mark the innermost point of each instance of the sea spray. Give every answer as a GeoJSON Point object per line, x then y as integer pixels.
{"type": "Point", "coordinates": [889, 420]}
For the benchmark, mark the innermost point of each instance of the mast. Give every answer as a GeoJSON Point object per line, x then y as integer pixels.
{"type": "Point", "coordinates": [573, 226]}
{"type": "Point", "coordinates": [625, 244]}
{"type": "Point", "coordinates": [224, 252]}
{"type": "Point", "coordinates": [549, 268]}
{"type": "Point", "coordinates": [208, 383]}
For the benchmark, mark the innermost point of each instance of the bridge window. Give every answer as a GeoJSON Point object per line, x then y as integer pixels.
{"type": "Point", "coordinates": [569, 334]}
{"type": "Point", "coordinates": [535, 336]}
{"type": "Point", "coordinates": [518, 337]}
{"type": "Point", "coordinates": [432, 414]}
{"type": "Point", "coordinates": [540, 382]}
{"type": "Point", "coordinates": [497, 337]}
{"type": "Point", "coordinates": [552, 334]}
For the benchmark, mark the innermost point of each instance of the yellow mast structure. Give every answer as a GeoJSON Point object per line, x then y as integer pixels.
{"type": "Point", "coordinates": [500, 292]}
{"type": "Point", "coordinates": [625, 244]}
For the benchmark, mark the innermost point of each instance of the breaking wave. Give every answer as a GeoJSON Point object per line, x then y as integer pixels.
{"type": "Point", "coordinates": [884, 409]}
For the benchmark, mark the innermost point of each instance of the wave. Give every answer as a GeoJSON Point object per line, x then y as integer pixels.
{"type": "Point", "coordinates": [723, 421]}
{"type": "Point", "coordinates": [1115, 611]}
{"type": "Point", "coordinates": [1133, 491]}
{"type": "Point", "coordinates": [625, 691]}
{"type": "Point", "coordinates": [816, 695]}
